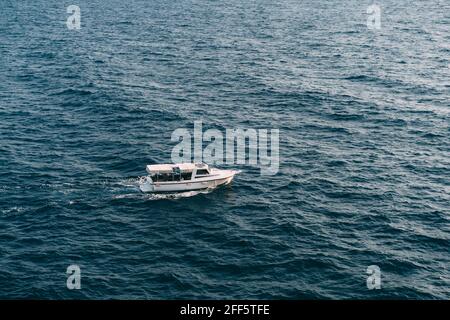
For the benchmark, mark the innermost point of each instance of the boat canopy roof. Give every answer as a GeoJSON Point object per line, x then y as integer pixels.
{"type": "Point", "coordinates": [169, 168]}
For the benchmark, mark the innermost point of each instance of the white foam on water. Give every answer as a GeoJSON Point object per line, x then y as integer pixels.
{"type": "Point", "coordinates": [13, 210]}
{"type": "Point", "coordinates": [132, 184]}
{"type": "Point", "coordinates": [176, 195]}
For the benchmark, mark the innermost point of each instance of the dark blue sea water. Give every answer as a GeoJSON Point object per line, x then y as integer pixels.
{"type": "Point", "coordinates": [364, 148]}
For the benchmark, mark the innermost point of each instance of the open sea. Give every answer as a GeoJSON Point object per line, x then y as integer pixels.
{"type": "Point", "coordinates": [364, 121]}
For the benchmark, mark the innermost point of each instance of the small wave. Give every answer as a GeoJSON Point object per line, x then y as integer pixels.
{"type": "Point", "coordinates": [73, 92]}
{"type": "Point", "coordinates": [126, 196]}
{"type": "Point", "coordinates": [13, 211]}
{"type": "Point", "coordinates": [294, 184]}
{"type": "Point", "coordinates": [359, 77]}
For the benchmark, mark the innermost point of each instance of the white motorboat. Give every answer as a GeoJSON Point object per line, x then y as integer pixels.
{"type": "Point", "coordinates": [184, 177]}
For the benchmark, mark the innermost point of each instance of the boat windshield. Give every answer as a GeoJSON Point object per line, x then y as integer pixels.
{"type": "Point", "coordinates": [202, 172]}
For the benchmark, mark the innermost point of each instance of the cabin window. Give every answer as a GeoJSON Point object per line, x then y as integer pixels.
{"type": "Point", "coordinates": [186, 176]}
{"type": "Point", "coordinates": [175, 176]}
{"type": "Point", "coordinates": [202, 172]}
{"type": "Point", "coordinates": [162, 177]}
{"type": "Point", "coordinates": [167, 177]}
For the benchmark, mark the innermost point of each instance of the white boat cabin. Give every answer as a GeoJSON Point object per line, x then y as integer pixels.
{"type": "Point", "coordinates": [178, 172]}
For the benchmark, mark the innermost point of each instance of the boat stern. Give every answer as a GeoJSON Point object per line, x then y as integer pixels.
{"type": "Point", "coordinates": [146, 185]}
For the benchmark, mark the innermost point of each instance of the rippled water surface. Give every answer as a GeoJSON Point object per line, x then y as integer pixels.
{"type": "Point", "coordinates": [364, 148]}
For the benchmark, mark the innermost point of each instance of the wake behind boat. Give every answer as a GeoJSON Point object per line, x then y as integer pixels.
{"type": "Point", "coordinates": [184, 177]}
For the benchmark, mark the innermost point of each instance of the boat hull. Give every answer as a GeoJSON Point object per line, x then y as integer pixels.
{"type": "Point", "coordinates": [191, 185]}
